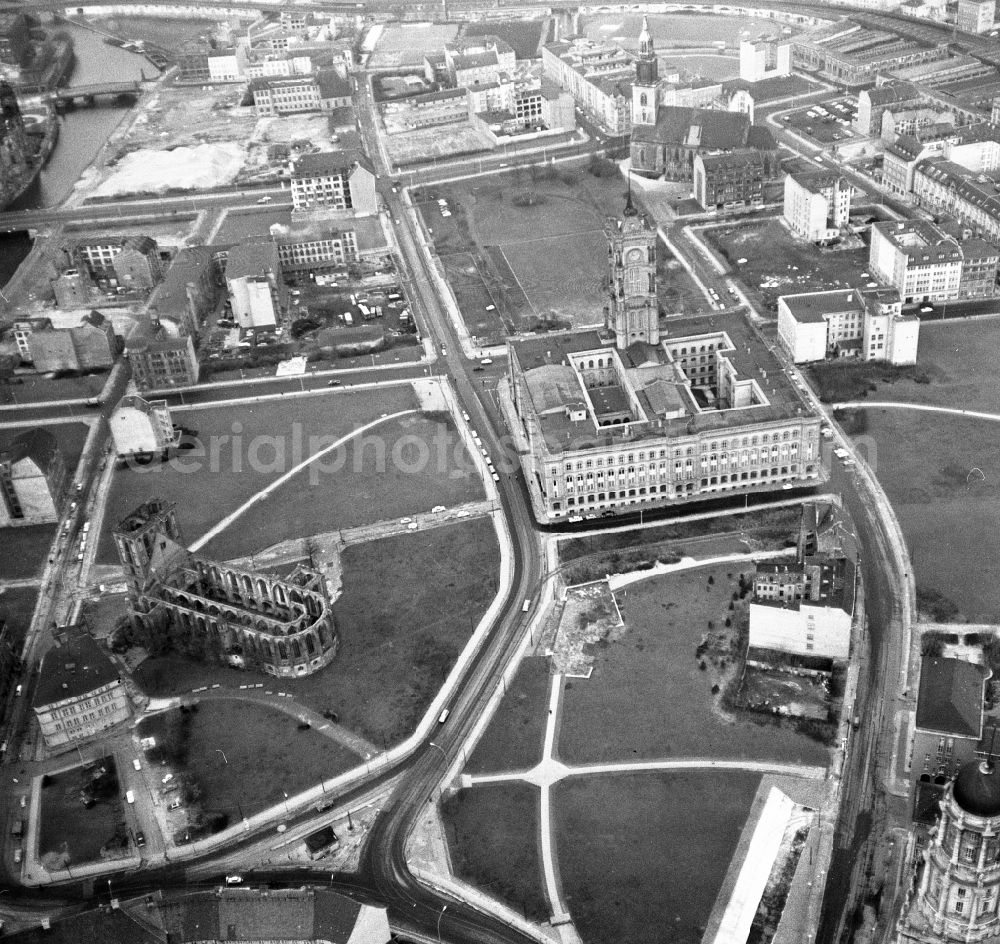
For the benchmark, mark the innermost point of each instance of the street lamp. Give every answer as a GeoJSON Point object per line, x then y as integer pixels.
{"type": "Point", "coordinates": [440, 916]}
{"type": "Point", "coordinates": [440, 748]}
{"type": "Point", "coordinates": [219, 750]}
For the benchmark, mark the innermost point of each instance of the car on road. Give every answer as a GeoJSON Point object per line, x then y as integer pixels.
{"type": "Point", "coordinates": [477, 369]}
{"type": "Point", "coordinates": [234, 879]}
{"type": "Point", "coordinates": [405, 520]}
{"type": "Point", "coordinates": [437, 509]}
{"type": "Point", "coordinates": [334, 383]}
{"type": "Point", "coordinates": [174, 805]}
{"type": "Point", "coordinates": [140, 839]}
{"type": "Point", "coordinates": [465, 416]}
{"type": "Point", "coordinates": [265, 199]}
{"type": "Point", "coordinates": [486, 361]}
{"type": "Point", "coordinates": [926, 309]}
{"type": "Point", "coordinates": [18, 855]}
{"type": "Point", "coordinates": [444, 351]}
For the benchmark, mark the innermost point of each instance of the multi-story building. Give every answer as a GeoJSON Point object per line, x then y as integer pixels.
{"type": "Point", "coordinates": [817, 204]}
{"type": "Point", "coordinates": [944, 187]}
{"type": "Point", "coordinates": [32, 480]}
{"type": "Point", "coordinates": [917, 259]}
{"type": "Point", "coordinates": [847, 323]}
{"type": "Point", "coordinates": [79, 693]}
{"type": "Point", "coordinates": [189, 290]}
{"type": "Point", "coordinates": [764, 60]}
{"type": "Point", "coordinates": [74, 288]}
{"type": "Point", "coordinates": [256, 289]}
{"type": "Point", "coordinates": [228, 65]}
{"type": "Point", "coordinates": [478, 60]}
{"type": "Point", "coordinates": [951, 883]}
{"type": "Point", "coordinates": [875, 102]}
{"type": "Point", "coordinates": [316, 91]}
{"type": "Point", "coordinates": [598, 76]}
{"type": "Point", "coordinates": [334, 180]}
{"type": "Point", "coordinates": [906, 151]}
{"type": "Point", "coordinates": [89, 346]}
{"type": "Point", "coordinates": [142, 427]}
{"type": "Point", "coordinates": [804, 608]}
{"type": "Point", "coordinates": [980, 267]}
{"type": "Point", "coordinates": [283, 627]}
{"type": "Point", "coordinates": [159, 360]}
{"type": "Point", "coordinates": [132, 262]}
{"type": "Point", "coordinates": [331, 244]}
{"type": "Point", "coordinates": [976, 16]}
{"type": "Point", "coordinates": [632, 314]}
{"type": "Point", "coordinates": [705, 412]}
{"type": "Point", "coordinates": [733, 178]}
{"type": "Point", "coordinates": [22, 331]}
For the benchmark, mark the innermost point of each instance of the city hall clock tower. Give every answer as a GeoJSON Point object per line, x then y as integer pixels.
{"type": "Point", "coordinates": [632, 313]}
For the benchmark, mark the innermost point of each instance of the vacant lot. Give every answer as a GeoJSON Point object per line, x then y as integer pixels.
{"type": "Point", "coordinates": [39, 388]}
{"type": "Point", "coordinates": [942, 475]}
{"type": "Point", "coordinates": [513, 740]}
{"type": "Point", "coordinates": [402, 466]}
{"type": "Point", "coordinates": [778, 264]}
{"type": "Point", "coordinates": [654, 664]}
{"type": "Point", "coordinates": [71, 833]}
{"type": "Point", "coordinates": [244, 756]}
{"type": "Point", "coordinates": [17, 604]}
{"type": "Point", "coordinates": [493, 839]}
{"type": "Point", "coordinates": [25, 551]}
{"type": "Point", "coordinates": [524, 36]}
{"type": "Point", "coordinates": [642, 856]}
{"type": "Point", "coordinates": [409, 605]}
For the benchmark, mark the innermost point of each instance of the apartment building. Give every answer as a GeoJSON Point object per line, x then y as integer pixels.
{"type": "Point", "coordinates": [869, 325]}
{"type": "Point", "coordinates": [598, 76]}
{"type": "Point", "coordinates": [334, 180]}
{"type": "Point", "coordinates": [976, 16]}
{"type": "Point", "coordinates": [817, 204]}
{"type": "Point", "coordinates": [142, 427]}
{"type": "Point", "coordinates": [734, 178]}
{"type": "Point", "coordinates": [917, 259]}
{"type": "Point", "coordinates": [315, 91]}
{"type": "Point", "coordinates": [91, 345]}
{"type": "Point", "coordinates": [160, 361]}
{"type": "Point", "coordinates": [331, 244]}
{"type": "Point", "coordinates": [32, 480]}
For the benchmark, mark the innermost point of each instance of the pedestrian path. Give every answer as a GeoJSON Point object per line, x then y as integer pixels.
{"type": "Point", "coordinates": [921, 407]}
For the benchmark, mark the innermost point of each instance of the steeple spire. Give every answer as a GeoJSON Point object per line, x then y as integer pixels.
{"type": "Point", "coordinates": [645, 39]}
{"type": "Point", "coordinates": [630, 209]}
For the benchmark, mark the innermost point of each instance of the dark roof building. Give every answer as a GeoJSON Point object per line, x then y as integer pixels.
{"type": "Point", "coordinates": [950, 700]}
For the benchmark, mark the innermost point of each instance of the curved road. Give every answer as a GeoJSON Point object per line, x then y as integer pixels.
{"type": "Point", "coordinates": [921, 407]}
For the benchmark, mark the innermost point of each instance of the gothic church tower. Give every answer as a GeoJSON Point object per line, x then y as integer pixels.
{"type": "Point", "coordinates": [644, 90]}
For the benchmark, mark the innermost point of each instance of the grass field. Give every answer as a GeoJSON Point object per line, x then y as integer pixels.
{"type": "Point", "coordinates": [524, 36]}
{"type": "Point", "coordinates": [25, 551]}
{"type": "Point", "coordinates": [39, 388]}
{"type": "Point", "coordinates": [642, 856]}
{"type": "Point", "coordinates": [371, 484]}
{"type": "Point", "coordinates": [408, 608]}
{"type": "Point", "coordinates": [949, 513]}
{"type": "Point", "coordinates": [245, 756]}
{"type": "Point", "coordinates": [16, 607]}
{"type": "Point", "coordinates": [777, 264]}
{"type": "Point", "coordinates": [69, 830]}
{"type": "Point", "coordinates": [654, 665]}
{"type": "Point", "coordinates": [513, 740]}
{"type": "Point", "coordinates": [535, 239]}
{"type": "Point", "coordinates": [493, 838]}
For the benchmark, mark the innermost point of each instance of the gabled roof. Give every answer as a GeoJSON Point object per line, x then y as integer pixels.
{"type": "Point", "coordinates": [321, 163]}
{"type": "Point", "coordinates": [332, 84]}
{"type": "Point", "coordinates": [704, 128]}
{"type": "Point", "coordinates": [253, 258]}
{"type": "Point", "coordinates": [950, 699]}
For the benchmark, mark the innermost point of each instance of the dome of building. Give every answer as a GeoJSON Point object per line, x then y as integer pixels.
{"type": "Point", "coordinates": [977, 789]}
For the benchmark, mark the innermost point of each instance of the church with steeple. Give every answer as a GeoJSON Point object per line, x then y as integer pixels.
{"type": "Point", "coordinates": [632, 312]}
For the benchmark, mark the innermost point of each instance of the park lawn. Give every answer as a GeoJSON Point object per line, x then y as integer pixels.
{"type": "Point", "coordinates": [25, 551]}
{"type": "Point", "coordinates": [949, 513]}
{"type": "Point", "coordinates": [514, 737]}
{"type": "Point", "coordinates": [647, 697]}
{"type": "Point", "coordinates": [67, 828]}
{"type": "Point", "coordinates": [789, 266]}
{"type": "Point", "coordinates": [380, 475]}
{"type": "Point", "coordinates": [956, 367]}
{"type": "Point", "coordinates": [493, 840]}
{"type": "Point", "coordinates": [409, 606]}
{"type": "Point", "coordinates": [642, 856]}
{"type": "Point", "coordinates": [522, 35]}
{"type": "Point", "coordinates": [245, 756]}
{"type": "Point", "coordinates": [17, 605]}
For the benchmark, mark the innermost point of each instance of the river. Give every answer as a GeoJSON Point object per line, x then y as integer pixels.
{"type": "Point", "coordinates": [83, 131]}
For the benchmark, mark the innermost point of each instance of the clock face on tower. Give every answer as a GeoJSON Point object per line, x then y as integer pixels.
{"type": "Point", "coordinates": [634, 256]}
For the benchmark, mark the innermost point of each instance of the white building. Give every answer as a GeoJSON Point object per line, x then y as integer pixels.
{"type": "Point", "coordinates": [141, 426]}
{"type": "Point", "coordinates": [917, 259]}
{"type": "Point", "coordinates": [227, 65]}
{"type": "Point", "coordinates": [805, 607]}
{"type": "Point", "coordinates": [817, 205]}
{"type": "Point", "coordinates": [598, 76]}
{"type": "Point", "coordinates": [764, 60]}
{"type": "Point", "coordinates": [334, 180]}
{"type": "Point", "coordinates": [256, 289]}
{"type": "Point", "coordinates": [976, 16]}
{"type": "Point", "coordinates": [847, 323]}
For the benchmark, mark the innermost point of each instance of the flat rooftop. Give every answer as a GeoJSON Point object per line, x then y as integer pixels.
{"type": "Point", "coordinates": [655, 377]}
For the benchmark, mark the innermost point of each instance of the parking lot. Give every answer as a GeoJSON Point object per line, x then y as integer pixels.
{"type": "Point", "coordinates": [826, 123]}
